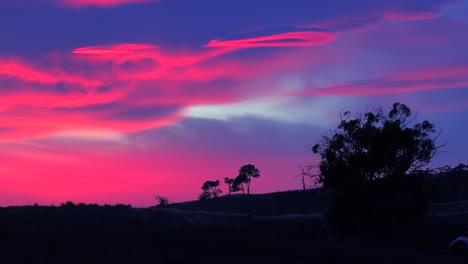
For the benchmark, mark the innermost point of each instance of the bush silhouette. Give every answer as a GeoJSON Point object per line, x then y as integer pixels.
{"type": "Point", "coordinates": [162, 201]}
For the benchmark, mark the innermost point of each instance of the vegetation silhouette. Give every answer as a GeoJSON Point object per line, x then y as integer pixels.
{"type": "Point", "coordinates": [162, 200]}
{"type": "Point", "coordinates": [373, 162]}
{"type": "Point", "coordinates": [210, 190]}
{"type": "Point", "coordinates": [450, 183]}
{"type": "Point", "coordinates": [305, 172]}
{"type": "Point", "coordinates": [250, 172]}
{"type": "Point", "coordinates": [238, 183]}
{"type": "Point", "coordinates": [229, 182]}
{"type": "Point", "coordinates": [246, 173]}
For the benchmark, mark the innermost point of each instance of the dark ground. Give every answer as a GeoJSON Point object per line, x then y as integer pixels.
{"type": "Point", "coordinates": [104, 234]}
{"type": "Point", "coordinates": [279, 203]}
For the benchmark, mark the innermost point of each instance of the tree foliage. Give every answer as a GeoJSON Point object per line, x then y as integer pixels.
{"type": "Point", "coordinates": [238, 183]}
{"type": "Point", "coordinates": [373, 146]}
{"type": "Point", "coordinates": [210, 190]}
{"type": "Point", "coordinates": [229, 182]}
{"type": "Point", "coordinates": [250, 171]}
{"type": "Point", "coordinates": [374, 160]}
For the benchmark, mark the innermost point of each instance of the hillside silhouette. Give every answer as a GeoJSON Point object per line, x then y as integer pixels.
{"type": "Point", "coordinates": [121, 234]}
{"type": "Point", "coordinates": [278, 203]}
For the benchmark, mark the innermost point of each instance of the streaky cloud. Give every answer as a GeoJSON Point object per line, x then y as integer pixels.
{"type": "Point", "coordinates": [416, 81]}
{"type": "Point", "coordinates": [99, 3]}
{"type": "Point", "coordinates": [286, 39]}
{"type": "Point", "coordinates": [19, 69]}
{"type": "Point", "coordinates": [411, 16]}
{"type": "Point", "coordinates": [114, 50]}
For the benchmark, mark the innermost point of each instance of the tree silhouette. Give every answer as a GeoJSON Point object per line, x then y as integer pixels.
{"type": "Point", "coordinates": [162, 201]}
{"type": "Point", "coordinates": [373, 162]}
{"type": "Point", "coordinates": [250, 172]}
{"type": "Point", "coordinates": [305, 171]}
{"type": "Point", "coordinates": [229, 183]}
{"type": "Point", "coordinates": [210, 190]}
{"type": "Point", "coordinates": [238, 183]}
{"type": "Point", "coordinates": [204, 196]}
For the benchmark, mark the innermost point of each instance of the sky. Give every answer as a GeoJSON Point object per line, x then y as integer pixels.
{"type": "Point", "coordinates": [115, 101]}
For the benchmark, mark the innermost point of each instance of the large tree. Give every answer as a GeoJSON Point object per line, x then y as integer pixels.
{"type": "Point", "coordinates": [373, 160]}
{"type": "Point", "coordinates": [250, 171]}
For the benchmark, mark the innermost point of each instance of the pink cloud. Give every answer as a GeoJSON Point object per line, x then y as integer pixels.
{"type": "Point", "coordinates": [204, 65]}
{"type": "Point", "coordinates": [54, 102]}
{"type": "Point", "coordinates": [145, 76]}
{"type": "Point", "coordinates": [23, 71]}
{"type": "Point", "coordinates": [39, 123]}
{"type": "Point", "coordinates": [405, 82]}
{"type": "Point", "coordinates": [411, 16]}
{"type": "Point", "coordinates": [114, 50]}
{"type": "Point", "coordinates": [289, 39]}
{"type": "Point", "coordinates": [51, 100]}
{"type": "Point", "coordinates": [100, 3]}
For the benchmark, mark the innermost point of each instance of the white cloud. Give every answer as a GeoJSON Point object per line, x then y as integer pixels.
{"type": "Point", "coordinates": [89, 134]}
{"type": "Point", "coordinates": [278, 105]}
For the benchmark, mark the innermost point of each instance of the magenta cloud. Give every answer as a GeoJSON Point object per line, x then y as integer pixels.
{"type": "Point", "coordinates": [99, 3]}
{"type": "Point", "coordinates": [416, 81]}
{"type": "Point", "coordinates": [289, 39]}
{"type": "Point", "coordinates": [130, 78]}
{"type": "Point", "coordinates": [124, 80]}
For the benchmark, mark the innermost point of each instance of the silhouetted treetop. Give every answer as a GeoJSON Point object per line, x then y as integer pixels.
{"type": "Point", "coordinates": [374, 162]}
{"type": "Point", "coordinates": [238, 183]}
{"type": "Point", "coordinates": [250, 172]}
{"type": "Point", "coordinates": [229, 182]}
{"type": "Point", "coordinates": [210, 190]}
{"type": "Point", "coordinates": [375, 145]}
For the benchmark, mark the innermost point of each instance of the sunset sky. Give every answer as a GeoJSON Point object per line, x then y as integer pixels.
{"type": "Point", "coordinates": [114, 101]}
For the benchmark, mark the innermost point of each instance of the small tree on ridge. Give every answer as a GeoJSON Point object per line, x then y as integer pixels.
{"type": "Point", "coordinates": [250, 172]}
{"type": "Point", "coordinates": [210, 190]}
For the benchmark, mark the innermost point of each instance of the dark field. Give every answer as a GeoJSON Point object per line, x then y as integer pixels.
{"type": "Point", "coordinates": [279, 203]}
{"type": "Point", "coordinates": [119, 234]}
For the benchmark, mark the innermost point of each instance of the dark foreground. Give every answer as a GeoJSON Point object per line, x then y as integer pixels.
{"type": "Point", "coordinates": [92, 234]}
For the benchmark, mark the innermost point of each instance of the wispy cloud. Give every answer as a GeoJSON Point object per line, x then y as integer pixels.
{"type": "Point", "coordinates": [124, 81]}
{"type": "Point", "coordinates": [411, 16]}
{"type": "Point", "coordinates": [416, 81]}
{"type": "Point", "coordinates": [289, 39]}
{"type": "Point", "coordinates": [100, 3]}
{"type": "Point", "coordinates": [131, 79]}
